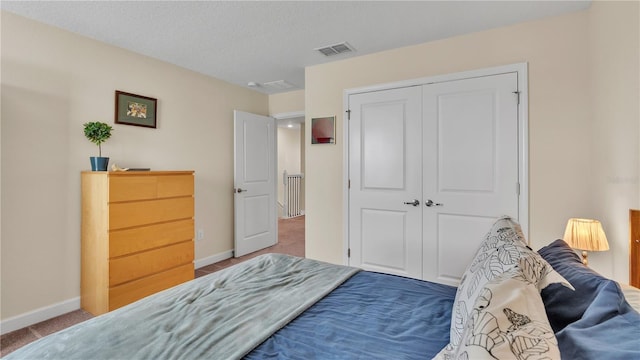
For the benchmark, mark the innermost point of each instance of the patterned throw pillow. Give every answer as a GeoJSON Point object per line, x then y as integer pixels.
{"type": "Point", "coordinates": [507, 321]}
{"type": "Point", "coordinates": [503, 248]}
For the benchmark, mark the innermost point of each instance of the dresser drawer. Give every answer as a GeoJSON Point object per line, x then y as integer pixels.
{"type": "Point", "coordinates": [131, 214]}
{"type": "Point", "coordinates": [127, 293]}
{"type": "Point", "coordinates": [131, 188]}
{"type": "Point", "coordinates": [132, 240]}
{"type": "Point", "coordinates": [128, 268]}
{"type": "Point", "coordinates": [144, 187]}
{"type": "Point", "coordinates": [175, 185]}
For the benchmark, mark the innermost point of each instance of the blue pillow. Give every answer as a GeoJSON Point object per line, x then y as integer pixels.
{"type": "Point", "coordinates": [563, 305]}
{"type": "Point", "coordinates": [609, 328]}
{"type": "Point", "coordinates": [593, 322]}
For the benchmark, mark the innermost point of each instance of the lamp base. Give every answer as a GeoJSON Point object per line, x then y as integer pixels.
{"type": "Point", "coordinates": [584, 258]}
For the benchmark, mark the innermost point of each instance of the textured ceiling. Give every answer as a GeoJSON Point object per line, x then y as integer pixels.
{"type": "Point", "coordinates": [264, 41]}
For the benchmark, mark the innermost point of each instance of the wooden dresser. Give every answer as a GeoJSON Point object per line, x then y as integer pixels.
{"type": "Point", "coordinates": [137, 235]}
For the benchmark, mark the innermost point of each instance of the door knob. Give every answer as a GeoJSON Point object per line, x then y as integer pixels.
{"type": "Point", "coordinates": [430, 203]}
{"type": "Point", "coordinates": [414, 202]}
{"type": "Point", "coordinates": [239, 190]}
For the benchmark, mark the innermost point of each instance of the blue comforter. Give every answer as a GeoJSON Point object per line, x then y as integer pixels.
{"type": "Point", "coordinates": [370, 316]}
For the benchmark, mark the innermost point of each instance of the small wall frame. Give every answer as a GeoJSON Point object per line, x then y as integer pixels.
{"type": "Point", "coordinates": [136, 110]}
{"type": "Point", "coordinates": [323, 130]}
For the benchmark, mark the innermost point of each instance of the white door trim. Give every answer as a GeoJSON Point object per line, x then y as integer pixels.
{"type": "Point", "coordinates": [523, 134]}
{"type": "Point", "coordinates": [288, 115]}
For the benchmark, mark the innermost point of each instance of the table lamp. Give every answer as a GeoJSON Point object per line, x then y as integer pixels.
{"type": "Point", "coordinates": [585, 235]}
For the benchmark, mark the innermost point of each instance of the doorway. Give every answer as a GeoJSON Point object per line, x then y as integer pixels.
{"type": "Point", "coordinates": [266, 149]}
{"type": "Point", "coordinates": [291, 182]}
{"type": "Point", "coordinates": [290, 138]}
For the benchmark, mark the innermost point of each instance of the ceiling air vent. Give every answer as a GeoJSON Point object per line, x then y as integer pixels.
{"type": "Point", "coordinates": [336, 49]}
{"type": "Point", "coordinates": [278, 85]}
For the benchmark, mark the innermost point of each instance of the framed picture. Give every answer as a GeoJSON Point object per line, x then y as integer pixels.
{"type": "Point", "coordinates": [323, 130]}
{"type": "Point", "coordinates": [137, 110]}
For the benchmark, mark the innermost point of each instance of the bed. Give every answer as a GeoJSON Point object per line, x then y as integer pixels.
{"type": "Point", "coordinates": [512, 302]}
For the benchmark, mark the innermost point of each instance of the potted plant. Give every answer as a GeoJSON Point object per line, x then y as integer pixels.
{"type": "Point", "coordinates": [97, 133]}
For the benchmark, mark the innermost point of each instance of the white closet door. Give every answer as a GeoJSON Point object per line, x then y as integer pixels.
{"type": "Point", "coordinates": [385, 234]}
{"type": "Point", "coordinates": [470, 168]}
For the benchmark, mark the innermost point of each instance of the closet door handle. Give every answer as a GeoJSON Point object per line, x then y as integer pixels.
{"type": "Point", "coordinates": [430, 203]}
{"type": "Point", "coordinates": [414, 202]}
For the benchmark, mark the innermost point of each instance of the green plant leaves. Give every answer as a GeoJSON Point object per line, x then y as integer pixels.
{"type": "Point", "coordinates": [97, 133]}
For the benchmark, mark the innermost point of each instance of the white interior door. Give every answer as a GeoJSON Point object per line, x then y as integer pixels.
{"type": "Point", "coordinates": [470, 164]}
{"type": "Point", "coordinates": [255, 220]}
{"type": "Point", "coordinates": [385, 174]}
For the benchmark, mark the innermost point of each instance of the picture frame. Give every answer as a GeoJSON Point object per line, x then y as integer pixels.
{"type": "Point", "coordinates": [323, 130]}
{"type": "Point", "coordinates": [136, 110]}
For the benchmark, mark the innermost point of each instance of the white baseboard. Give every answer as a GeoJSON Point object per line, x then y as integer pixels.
{"type": "Point", "coordinates": [280, 209]}
{"type": "Point", "coordinates": [51, 311]}
{"type": "Point", "coordinates": [39, 315]}
{"type": "Point", "coordinates": [213, 259]}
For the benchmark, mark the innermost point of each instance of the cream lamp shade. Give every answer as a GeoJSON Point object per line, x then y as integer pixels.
{"type": "Point", "coordinates": [585, 235]}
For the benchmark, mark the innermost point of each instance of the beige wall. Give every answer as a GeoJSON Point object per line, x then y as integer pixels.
{"type": "Point", "coordinates": [292, 101]}
{"type": "Point", "coordinates": [614, 60]}
{"type": "Point", "coordinates": [561, 117]}
{"type": "Point", "coordinates": [53, 82]}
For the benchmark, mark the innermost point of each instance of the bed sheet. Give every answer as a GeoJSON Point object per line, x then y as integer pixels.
{"type": "Point", "coordinates": [370, 316]}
